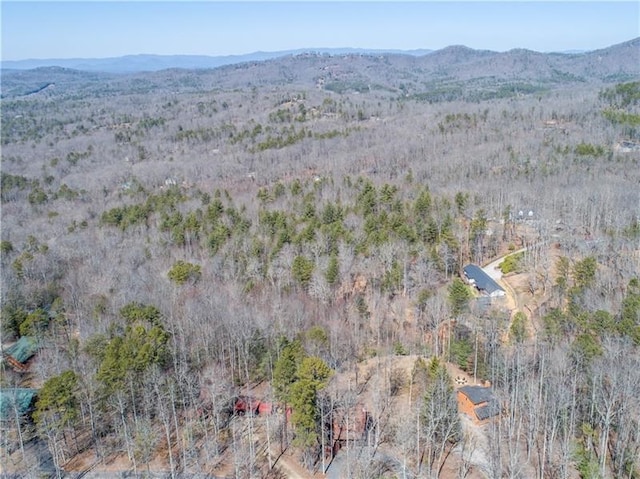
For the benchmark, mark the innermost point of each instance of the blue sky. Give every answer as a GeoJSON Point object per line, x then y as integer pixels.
{"type": "Point", "coordinates": [93, 29]}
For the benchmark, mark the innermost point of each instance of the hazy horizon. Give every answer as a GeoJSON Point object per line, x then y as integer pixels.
{"type": "Point", "coordinates": [309, 49]}
{"type": "Point", "coordinates": [99, 30]}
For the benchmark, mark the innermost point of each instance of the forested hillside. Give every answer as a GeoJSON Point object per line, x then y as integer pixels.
{"type": "Point", "coordinates": [294, 232]}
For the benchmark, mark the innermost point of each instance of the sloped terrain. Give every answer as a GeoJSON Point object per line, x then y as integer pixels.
{"type": "Point", "coordinates": [175, 238]}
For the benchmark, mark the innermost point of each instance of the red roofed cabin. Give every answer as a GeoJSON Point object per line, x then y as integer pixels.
{"type": "Point", "coordinates": [351, 427]}
{"type": "Point", "coordinates": [252, 406]}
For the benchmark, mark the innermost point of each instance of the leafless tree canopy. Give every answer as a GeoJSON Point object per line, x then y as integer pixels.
{"type": "Point", "coordinates": [179, 239]}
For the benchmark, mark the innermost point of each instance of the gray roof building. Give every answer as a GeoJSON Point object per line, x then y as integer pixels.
{"type": "Point", "coordinates": [478, 402]}
{"type": "Point", "coordinates": [482, 281]}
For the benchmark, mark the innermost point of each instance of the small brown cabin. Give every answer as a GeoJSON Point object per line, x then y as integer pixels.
{"type": "Point", "coordinates": [478, 402]}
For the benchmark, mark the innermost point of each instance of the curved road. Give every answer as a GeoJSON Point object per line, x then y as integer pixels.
{"type": "Point", "coordinates": [494, 273]}
{"type": "Point", "coordinates": [492, 268]}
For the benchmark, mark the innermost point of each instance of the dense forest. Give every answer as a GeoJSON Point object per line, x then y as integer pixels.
{"type": "Point", "coordinates": [182, 245]}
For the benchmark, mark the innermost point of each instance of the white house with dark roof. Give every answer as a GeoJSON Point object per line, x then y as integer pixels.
{"type": "Point", "coordinates": [482, 281]}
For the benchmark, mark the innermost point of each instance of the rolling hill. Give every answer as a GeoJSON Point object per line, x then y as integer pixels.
{"type": "Point", "coordinates": [452, 72]}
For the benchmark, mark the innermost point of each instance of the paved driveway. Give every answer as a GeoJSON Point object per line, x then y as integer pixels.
{"type": "Point", "coordinates": [492, 268]}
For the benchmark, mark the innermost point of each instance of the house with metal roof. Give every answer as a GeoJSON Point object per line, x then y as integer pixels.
{"type": "Point", "coordinates": [18, 354]}
{"type": "Point", "coordinates": [475, 276]}
{"type": "Point", "coordinates": [478, 402]}
{"type": "Point", "coordinates": [15, 403]}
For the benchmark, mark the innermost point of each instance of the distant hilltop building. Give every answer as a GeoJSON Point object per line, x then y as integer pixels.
{"type": "Point", "coordinates": [524, 214]}
{"type": "Point", "coordinates": [627, 146]}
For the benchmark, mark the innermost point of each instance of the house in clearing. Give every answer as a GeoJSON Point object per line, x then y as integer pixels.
{"type": "Point", "coordinates": [482, 281]}
{"type": "Point", "coordinates": [478, 402]}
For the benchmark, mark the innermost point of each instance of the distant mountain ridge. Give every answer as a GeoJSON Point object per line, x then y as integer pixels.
{"type": "Point", "coordinates": [454, 72]}
{"type": "Point", "coordinates": [151, 63]}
